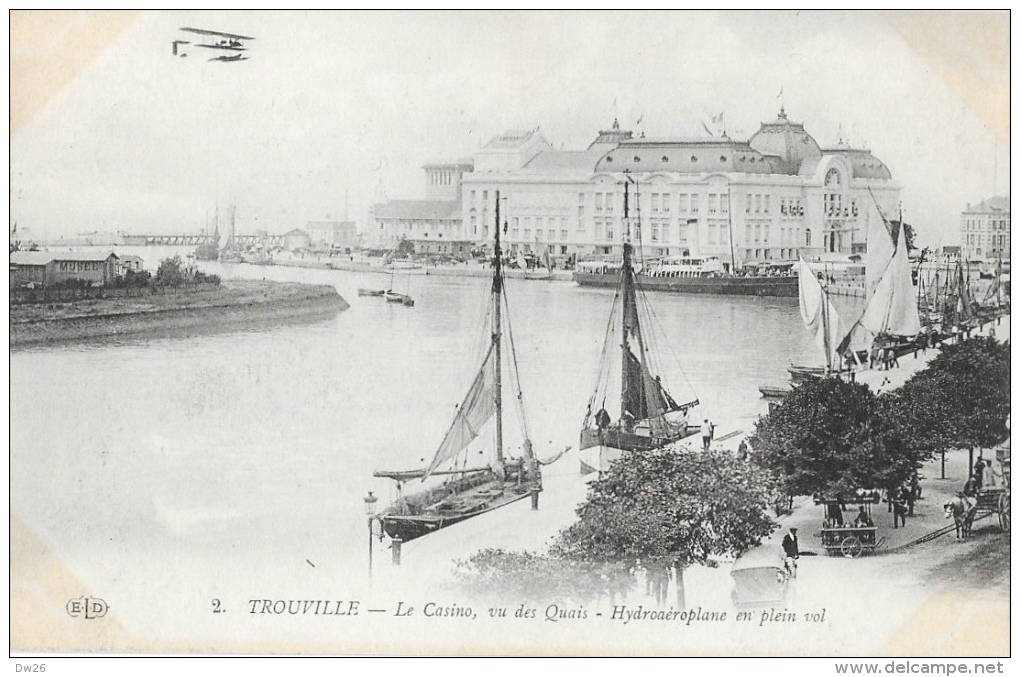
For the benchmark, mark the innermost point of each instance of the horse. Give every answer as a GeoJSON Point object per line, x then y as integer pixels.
{"type": "Point", "coordinates": [962, 510]}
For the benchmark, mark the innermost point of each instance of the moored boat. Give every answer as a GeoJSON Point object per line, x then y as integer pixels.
{"type": "Point", "coordinates": [650, 418]}
{"type": "Point", "coordinates": [394, 297]}
{"type": "Point", "coordinates": [694, 275]}
{"type": "Point", "coordinates": [469, 492]}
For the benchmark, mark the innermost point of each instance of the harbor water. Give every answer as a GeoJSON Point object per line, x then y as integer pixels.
{"type": "Point", "coordinates": [194, 461]}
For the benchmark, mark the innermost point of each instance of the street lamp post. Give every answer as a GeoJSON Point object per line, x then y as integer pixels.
{"type": "Point", "coordinates": [370, 502]}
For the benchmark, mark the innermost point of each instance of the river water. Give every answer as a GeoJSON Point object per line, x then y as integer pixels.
{"type": "Point", "coordinates": [152, 464]}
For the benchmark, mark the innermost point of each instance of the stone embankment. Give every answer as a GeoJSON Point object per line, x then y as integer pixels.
{"type": "Point", "coordinates": [233, 303]}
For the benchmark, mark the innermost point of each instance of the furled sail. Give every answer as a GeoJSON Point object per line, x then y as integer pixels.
{"type": "Point", "coordinates": [892, 308]}
{"type": "Point", "coordinates": [819, 314]}
{"type": "Point", "coordinates": [478, 407]}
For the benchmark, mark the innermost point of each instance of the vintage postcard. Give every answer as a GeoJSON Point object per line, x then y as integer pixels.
{"type": "Point", "coordinates": [511, 333]}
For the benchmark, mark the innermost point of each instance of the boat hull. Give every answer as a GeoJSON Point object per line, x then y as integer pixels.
{"type": "Point", "coordinates": [784, 285]}
{"type": "Point", "coordinates": [599, 448]}
{"type": "Point", "coordinates": [477, 493]}
{"type": "Point", "coordinates": [410, 527]}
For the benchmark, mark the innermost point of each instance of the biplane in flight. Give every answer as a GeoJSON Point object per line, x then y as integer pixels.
{"type": "Point", "coordinates": [230, 42]}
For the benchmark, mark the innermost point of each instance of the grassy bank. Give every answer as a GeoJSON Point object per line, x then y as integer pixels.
{"type": "Point", "coordinates": [232, 303]}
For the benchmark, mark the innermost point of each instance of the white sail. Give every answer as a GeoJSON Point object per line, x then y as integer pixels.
{"type": "Point", "coordinates": [892, 308]}
{"type": "Point", "coordinates": [478, 407]}
{"type": "Point", "coordinates": [819, 315]}
{"type": "Point", "coordinates": [880, 251]}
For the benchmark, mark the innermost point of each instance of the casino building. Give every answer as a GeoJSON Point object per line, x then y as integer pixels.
{"type": "Point", "coordinates": [760, 200]}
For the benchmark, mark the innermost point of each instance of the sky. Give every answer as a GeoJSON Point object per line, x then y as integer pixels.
{"type": "Point", "coordinates": [335, 111]}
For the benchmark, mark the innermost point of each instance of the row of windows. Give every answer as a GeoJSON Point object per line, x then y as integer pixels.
{"type": "Point", "coordinates": [441, 178]}
{"type": "Point", "coordinates": [757, 203]}
{"type": "Point", "coordinates": [977, 238]}
{"type": "Point", "coordinates": [991, 224]}
{"type": "Point", "coordinates": [540, 234]}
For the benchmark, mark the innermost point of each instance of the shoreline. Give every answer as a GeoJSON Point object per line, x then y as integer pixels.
{"type": "Point", "coordinates": [233, 304]}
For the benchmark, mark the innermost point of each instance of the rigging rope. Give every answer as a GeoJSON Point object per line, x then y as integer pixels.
{"type": "Point", "coordinates": [602, 376]}
{"type": "Point", "coordinates": [515, 375]}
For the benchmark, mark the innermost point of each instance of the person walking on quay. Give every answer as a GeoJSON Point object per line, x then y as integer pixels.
{"type": "Point", "coordinates": [792, 551]}
{"type": "Point", "coordinates": [900, 507]}
{"type": "Point", "coordinates": [706, 434]}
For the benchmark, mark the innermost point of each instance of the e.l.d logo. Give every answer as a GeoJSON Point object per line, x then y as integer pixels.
{"type": "Point", "coordinates": [87, 607]}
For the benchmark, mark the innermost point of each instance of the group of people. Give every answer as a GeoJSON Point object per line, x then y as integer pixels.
{"type": "Point", "coordinates": [884, 358]}
{"type": "Point", "coordinates": [985, 476]}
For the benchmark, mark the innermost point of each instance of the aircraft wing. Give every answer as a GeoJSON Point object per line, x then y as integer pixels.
{"type": "Point", "coordinates": [202, 31]}
{"type": "Point", "coordinates": [230, 48]}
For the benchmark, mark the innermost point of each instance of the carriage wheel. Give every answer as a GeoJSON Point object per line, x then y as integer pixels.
{"type": "Point", "coordinates": [1004, 512]}
{"type": "Point", "coordinates": [851, 547]}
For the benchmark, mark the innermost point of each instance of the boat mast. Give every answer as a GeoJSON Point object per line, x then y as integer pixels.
{"type": "Point", "coordinates": [628, 292]}
{"type": "Point", "coordinates": [631, 323]}
{"type": "Point", "coordinates": [729, 219]}
{"type": "Point", "coordinates": [497, 290]}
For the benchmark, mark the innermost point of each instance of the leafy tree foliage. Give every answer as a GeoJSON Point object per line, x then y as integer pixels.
{"type": "Point", "coordinates": [831, 436]}
{"type": "Point", "coordinates": [171, 272]}
{"type": "Point", "coordinates": [909, 234]}
{"type": "Point", "coordinates": [673, 505]}
{"type": "Point", "coordinates": [822, 438]}
{"type": "Point", "coordinates": [529, 576]}
{"type": "Point", "coordinates": [405, 248]}
{"type": "Point", "coordinates": [961, 399]}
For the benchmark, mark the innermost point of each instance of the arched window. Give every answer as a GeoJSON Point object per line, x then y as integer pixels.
{"type": "Point", "coordinates": [807, 237]}
{"type": "Point", "coordinates": [832, 179]}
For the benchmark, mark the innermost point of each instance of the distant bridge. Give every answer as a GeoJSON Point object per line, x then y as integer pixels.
{"type": "Point", "coordinates": [171, 240]}
{"type": "Point", "coordinates": [258, 240]}
{"type": "Point", "coordinates": [194, 240]}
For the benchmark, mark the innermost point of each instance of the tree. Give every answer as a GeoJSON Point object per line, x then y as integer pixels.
{"type": "Point", "coordinates": [671, 507]}
{"type": "Point", "coordinates": [830, 436]}
{"type": "Point", "coordinates": [405, 248]}
{"type": "Point", "coordinates": [960, 400]}
{"type": "Point", "coordinates": [909, 234]}
{"type": "Point", "coordinates": [171, 272]}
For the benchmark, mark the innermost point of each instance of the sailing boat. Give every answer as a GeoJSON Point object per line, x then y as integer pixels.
{"type": "Point", "coordinates": [890, 319]}
{"type": "Point", "coordinates": [395, 297]}
{"type": "Point", "coordinates": [649, 416]}
{"type": "Point", "coordinates": [821, 319]}
{"type": "Point", "coordinates": [993, 300]}
{"type": "Point", "coordinates": [469, 492]}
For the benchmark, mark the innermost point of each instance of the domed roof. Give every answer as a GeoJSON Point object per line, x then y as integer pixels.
{"type": "Point", "coordinates": [686, 156]}
{"type": "Point", "coordinates": [787, 141]}
{"type": "Point", "coordinates": [863, 164]}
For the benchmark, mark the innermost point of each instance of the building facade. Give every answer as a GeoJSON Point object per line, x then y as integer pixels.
{"type": "Point", "coordinates": [984, 230]}
{"type": "Point", "coordinates": [333, 235]}
{"type": "Point", "coordinates": [296, 239]}
{"type": "Point", "coordinates": [765, 199]}
{"type": "Point", "coordinates": [49, 268]}
{"type": "Point", "coordinates": [433, 225]}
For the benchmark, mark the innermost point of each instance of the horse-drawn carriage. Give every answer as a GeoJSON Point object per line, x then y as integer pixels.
{"type": "Point", "coordinates": [852, 538]}
{"type": "Point", "coordinates": [993, 498]}
{"type": "Point", "coordinates": [850, 541]}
